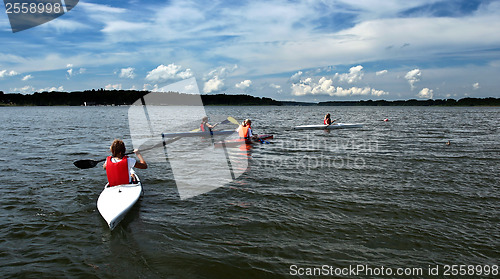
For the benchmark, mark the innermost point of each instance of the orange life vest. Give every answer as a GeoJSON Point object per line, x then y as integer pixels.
{"type": "Point", "coordinates": [117, 172]}
{"type": "Point", "coordinates": [243, 132]}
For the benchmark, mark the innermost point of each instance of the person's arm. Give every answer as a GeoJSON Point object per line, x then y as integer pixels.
{"type": "Point", "coordinates": [104, 166]}
{"type": "Point", "coordinates": [141, 164]}
{"type": "Point", "coordinates": [251, 134]}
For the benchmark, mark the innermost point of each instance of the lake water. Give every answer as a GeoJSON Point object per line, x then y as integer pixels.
{"type": "Point", "coordinates": [389, 195]}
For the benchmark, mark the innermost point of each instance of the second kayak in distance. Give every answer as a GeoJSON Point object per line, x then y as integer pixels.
{"type": "Point", "coordinates": [329, 127]}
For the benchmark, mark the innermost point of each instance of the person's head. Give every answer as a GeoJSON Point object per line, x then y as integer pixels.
{"type": "Point", "coordinates": [204, 119]}
{"type": "Point", "coordinates": [117, 148]}
{"type": "Point", "coordinates": [327, 115]}
{"type": "Point", "coordinates": [247, 122]}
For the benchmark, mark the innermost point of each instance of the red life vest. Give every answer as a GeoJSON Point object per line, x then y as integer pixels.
{"type": "Point", "coordinates": [326, 121]}
{"type": "Point", "coordinates": [117, 173]}
{"type": "Point", "coordinates": [243, 132]}
{"type": "Point", "coordinates": [202, 127]}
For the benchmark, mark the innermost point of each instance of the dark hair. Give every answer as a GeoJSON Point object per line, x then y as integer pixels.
{"type": "Point", "coordinates": [118, 148]}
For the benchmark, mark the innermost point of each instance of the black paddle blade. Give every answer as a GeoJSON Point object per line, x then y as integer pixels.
{"type": "Point", "coordinates": [85, 164]}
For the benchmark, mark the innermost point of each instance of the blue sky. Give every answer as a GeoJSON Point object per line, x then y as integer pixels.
{"type": "Point", "coordinates": [303, 50]}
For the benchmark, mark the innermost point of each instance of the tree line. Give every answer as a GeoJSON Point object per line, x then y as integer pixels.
{"type": "Point", "coordinates": [104, 97]}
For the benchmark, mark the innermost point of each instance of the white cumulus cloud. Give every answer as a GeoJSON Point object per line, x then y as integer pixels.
{"type": "Point", "coordinates": [215, 78]}
{"type": "Point", "coordinates": [127, 73]}
{"type": "Point", "coordinates": [25, 89]}
{"type": "Point", "coordinates": [296, 77]}
{"type": "Point", "coordinates": [476, 86]}
{"type": "Point", "coordinates": [413, 77]}
{"type": "Point", "coordinates": [341, 92]}
{"type": "Point", "coordinates": [222, 72]}
{"type": "Point", "coordinates": [113, 87]}
{"type": "Point", "coordinates": [51, 89]}
{"type": "Point", "coordinates": [244, 84]}
{"type": "Point", "coordinates": [301, 89]}
{"type": "Point", "coordinates": [325, 86]}
{"type": "Point", "coordinates": [379, 73]}
{"type": "Point", "coordinates": [355, 74]}
{"type": "Point", "coordinates": [27, 77]}
{"type": "Point", "coordinates": [213, 85]}
{"type": "Point", "coordinates": [426, 93]}
{"type": "Point", "coordinates": [169, 72]}
{"type": "Point", "coordinates": [5, 73]}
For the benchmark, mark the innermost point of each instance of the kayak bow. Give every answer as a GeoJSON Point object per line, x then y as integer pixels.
{"type": "Point", "coordinates": [114, 202]}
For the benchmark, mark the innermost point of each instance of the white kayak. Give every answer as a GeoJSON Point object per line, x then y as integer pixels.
{"type": "Point", "coordinates": [114, 202]}
{"type": "Point", "coordinates": [329, 127]}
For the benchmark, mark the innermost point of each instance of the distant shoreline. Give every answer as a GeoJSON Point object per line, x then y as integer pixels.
{"type": "Point", "coordinates": [103, 97]}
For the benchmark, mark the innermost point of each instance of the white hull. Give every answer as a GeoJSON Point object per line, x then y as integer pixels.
{"type": "Point", "coordinates": [114, 202]}
{"type": "Point", "coordinates": [330, 127]}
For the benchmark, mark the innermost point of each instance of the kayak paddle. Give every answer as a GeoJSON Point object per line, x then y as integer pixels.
{"type": "Point", "coordinates": [89, 163]}
{"type": "Point", "coordinates": [232, 120]}
{"type": "Point", "coordinates": [263, 141]}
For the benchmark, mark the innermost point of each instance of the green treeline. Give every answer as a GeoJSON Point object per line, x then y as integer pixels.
{"type": "Point", "coordinates": [237, 100]}
{"type": "Point", "coordinates": [94, 97]}
{"type": "Point", "coordinates": [128, 97]}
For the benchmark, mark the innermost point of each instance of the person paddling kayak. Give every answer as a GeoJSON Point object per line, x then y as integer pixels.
{"type": "Point", "coordinates": [118, 165]}
{"type": "Point", "coordinates": [245, 130]}
{"type": "Point", "coordinates": [327, 120]}
{"type": "Point", "coordinates": [204, 126]}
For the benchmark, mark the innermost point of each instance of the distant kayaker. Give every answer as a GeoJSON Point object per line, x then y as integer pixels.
{"type": "Point", "coordinates": [327, 120]}
{"type": "Point", "coordinates": [204, 126]}
{"type": "Point", "coordinates": [245, 130]}
{"type": "Point", "coordinates": [118, 165]}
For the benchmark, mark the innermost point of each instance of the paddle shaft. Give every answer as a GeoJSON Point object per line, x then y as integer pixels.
{"type": "Point", "coordinates": [86, 164]}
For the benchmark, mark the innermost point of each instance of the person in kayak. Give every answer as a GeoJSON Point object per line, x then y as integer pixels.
{"type": "Point", "coordinates": [327, 120]}
{"type": "Point", "coordinates": [118, 165]}
{"type": "Point", "coordinates": [204, 126]}
{"type": "Point", "coordinates": [245, 130]}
